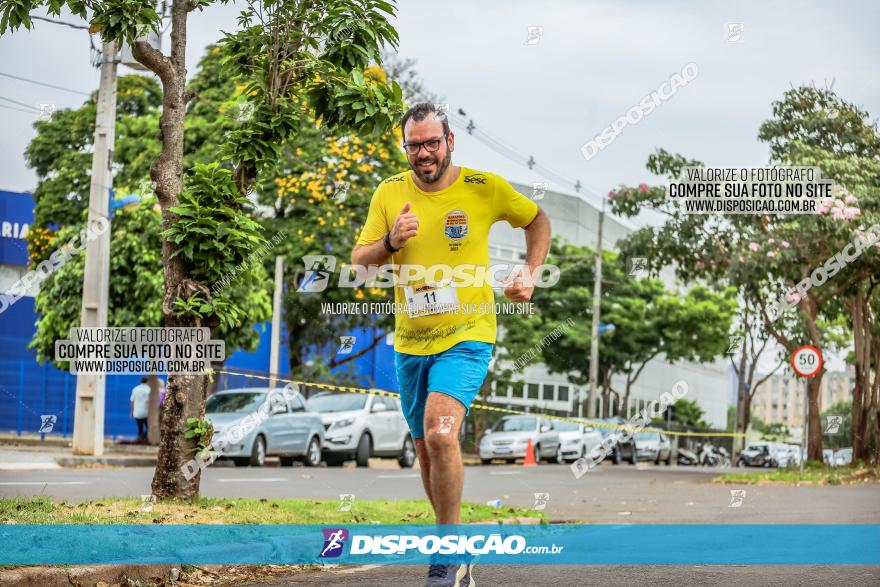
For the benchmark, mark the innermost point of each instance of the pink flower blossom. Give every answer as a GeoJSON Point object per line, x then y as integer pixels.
{"type": "Point", "coordinates": [837, 213]}
{"type": "Point", "coordinates": [785, 244]}
{"type": "Point", "coordinates": [850, 199]}
{"type": "Point", "coordinates": [700, 264]}
{"type": "Point", "coordinates": [850, 213]}
{"type": "Point", "coordinates": [643, 187]}
{"type": "Point", "coordinates": [741, 260]}
{"type": "Point", "coordinates": [771, 254]}
{"type": "Point", "coordinates": [611, 194]}
{"type": "Point", "coordinates": [821, 209]}
{"type": "Point", "coordinates": [770, 240]}
{"type": "Point", "coordinates": [838, 203]}
{"type": "Point", "coordinates": [754, 246]}
{"type": "Point", "coordinates": [793, 298]}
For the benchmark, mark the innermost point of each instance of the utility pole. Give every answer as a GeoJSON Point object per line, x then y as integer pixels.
{"type": "Point", "coordinates": [88, 423]}
{"type": "Point", "coordinates": [594, 339]}
{"type": "Point", "coordinates": [275, 348]}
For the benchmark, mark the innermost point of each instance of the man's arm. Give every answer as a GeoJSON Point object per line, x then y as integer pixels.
{"type": "Point", "coordinates": [537, 247]}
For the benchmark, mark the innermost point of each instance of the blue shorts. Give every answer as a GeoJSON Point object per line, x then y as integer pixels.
{"type": "Point", "coordinates": [457, 372]}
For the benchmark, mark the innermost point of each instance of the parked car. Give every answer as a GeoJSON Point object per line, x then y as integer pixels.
{"type": "Point", "coordinates": [757, 455]}
{"type": "Point", "coordinates": [653, 446]}
{"type": "Point", "coordinates": [843, 457]}
{"type": "Point", "coordinates": [827, 456]}
{"type": "Point", "coordinates": [625, 449]}
{"type": "Point", "coordinates": [288, 430]}
{"type": "Point", "coordinates": [358, 426]}
{"type": "Point", "coordinates": [787, 455]}
{"type": "Point", "coordinates": [577, 439]}
{"type": "Point", "coordinates": [509, 437]}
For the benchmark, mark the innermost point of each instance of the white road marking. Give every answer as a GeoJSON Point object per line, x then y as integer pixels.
{"type": "Point", "coordinates": [253, 480]}
{"type": "Point", "coordinates": [25, 466]}
{"type": "Point", "coordinates": [44, 483]}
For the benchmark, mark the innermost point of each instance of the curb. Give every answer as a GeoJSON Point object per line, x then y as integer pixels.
{"type": "Point", "coordinates": [76, 461]}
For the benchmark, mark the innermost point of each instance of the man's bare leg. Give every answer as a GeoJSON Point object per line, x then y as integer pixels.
{"type": "Point", "coordinates": [446, 471]}
{"type": "Point", "coordinates": [425, 467]}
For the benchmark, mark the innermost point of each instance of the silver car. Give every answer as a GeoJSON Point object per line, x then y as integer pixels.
{"type": "Point", "coordinates": [509, 438]}
{"type": "Point", "coordinates": [358, 426]}
{"type": "Point", "coordinates": [843, 457]}
{"type": "Point", "coordinates": [257, 424]}
{"type": "Point", "coordinates": [577, 439]}
{"type": "Point", "coordinates": [653, 446]}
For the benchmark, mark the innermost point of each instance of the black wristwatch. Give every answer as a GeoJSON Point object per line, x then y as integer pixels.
{"type": "Point", "coordinates": [387, 241]}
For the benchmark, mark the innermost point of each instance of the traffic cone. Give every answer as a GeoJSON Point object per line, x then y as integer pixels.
{"type": "Point", "coordinates": [530, 455]}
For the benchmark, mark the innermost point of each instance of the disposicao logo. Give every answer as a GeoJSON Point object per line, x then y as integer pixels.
{"type": "Point", "coordinates": [334, 542]}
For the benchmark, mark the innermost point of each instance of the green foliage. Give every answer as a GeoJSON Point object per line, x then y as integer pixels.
{"type": "Point", "coordinates": [776, 431]}
{"type": "Point", "coordinates": [200, 429]}
{"type": "Point", "coordinates": [689, 413]}
{"type": "Point", "coordinates": [649, 321]}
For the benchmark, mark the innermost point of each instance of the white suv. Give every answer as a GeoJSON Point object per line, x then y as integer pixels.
{"type": "Point", "coordinates": [359, 426]}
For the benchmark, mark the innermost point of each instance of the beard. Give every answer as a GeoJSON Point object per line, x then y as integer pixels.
{"type": "Point", "coordinates": [440, 167]}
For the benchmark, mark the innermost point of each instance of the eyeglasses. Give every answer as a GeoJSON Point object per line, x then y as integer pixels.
{"type": "Point", "coordinates": [430, 145]}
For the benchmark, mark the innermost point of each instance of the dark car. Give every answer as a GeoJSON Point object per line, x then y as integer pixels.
{"type": "Point", "coordinates": [757, 455]}
{"type": "Point", "coordinates": [623, 449]}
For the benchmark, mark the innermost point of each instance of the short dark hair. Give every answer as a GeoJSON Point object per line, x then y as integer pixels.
{"type": "Point", "coordinates": [421, 111]}
{"type": "Point", "coordinates": [144, 379]}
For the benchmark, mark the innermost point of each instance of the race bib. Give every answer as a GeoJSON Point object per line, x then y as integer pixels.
{"type": "Point", "coordinates": [423, 300]}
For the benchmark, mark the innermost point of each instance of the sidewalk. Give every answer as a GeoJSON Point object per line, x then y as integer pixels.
{"type": "Point", "coordinates": [29, 451]}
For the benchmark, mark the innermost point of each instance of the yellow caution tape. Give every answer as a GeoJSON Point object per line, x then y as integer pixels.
{"type": "Point", "coordinates": [478, 406]}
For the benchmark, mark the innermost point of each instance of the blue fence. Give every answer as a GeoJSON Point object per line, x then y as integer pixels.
{"type": "Point", "coordinates": [29, 390]}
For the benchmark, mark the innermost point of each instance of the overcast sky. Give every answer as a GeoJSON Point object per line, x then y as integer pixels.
{"type": "Point", "coordinates": [592, 63]}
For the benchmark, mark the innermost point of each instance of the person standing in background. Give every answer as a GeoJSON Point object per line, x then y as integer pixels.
{"type": "Point", "coordinates": [140, 400]}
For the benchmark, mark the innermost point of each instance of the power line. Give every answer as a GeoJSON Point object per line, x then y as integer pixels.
{"type": "Point", "coordinates": [16, 109]}
{"type": "Point", "coordinates": [20, 103]}
{"type": "Point", "coordinates": [39, 83]}
{"type": "Point", "coordinates": [61, 22]}
{"type": "Point", "coordinates": [501, 147]}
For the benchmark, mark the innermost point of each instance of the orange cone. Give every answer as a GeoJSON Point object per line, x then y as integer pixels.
{"type": "Point", "coordinates": [530, 455]}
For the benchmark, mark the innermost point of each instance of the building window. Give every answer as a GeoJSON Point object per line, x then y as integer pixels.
{"type": "Point", "coordinates": [534, 388]}
{"type": "Point", "coordinates": [518, 388]}
{"type": "Point", "coordinates": [548, 393]}
{"type": "Point", "coordinates": [563, 393]}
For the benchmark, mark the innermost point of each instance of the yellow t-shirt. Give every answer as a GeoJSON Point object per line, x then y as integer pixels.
{"type": "Point", "coordinates": [453, 230]}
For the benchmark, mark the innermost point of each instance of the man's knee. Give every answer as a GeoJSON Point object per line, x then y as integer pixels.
{"type": "Point", "coordinates": [438, 440]}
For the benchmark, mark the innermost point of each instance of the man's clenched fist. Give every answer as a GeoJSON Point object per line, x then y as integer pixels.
{"type": "Point", "coordinates": [406, 226]}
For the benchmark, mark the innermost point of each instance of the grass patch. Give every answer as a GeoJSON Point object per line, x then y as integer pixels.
{"type": "Point", "coordinates": [213, 510]}
{"type": "Point", "coordinates": [813, 475]}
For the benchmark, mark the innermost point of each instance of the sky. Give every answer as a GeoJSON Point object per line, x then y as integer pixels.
{"type": "Point", "coordinates": [591, 63]}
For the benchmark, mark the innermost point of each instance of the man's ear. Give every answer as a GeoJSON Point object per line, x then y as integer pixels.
{"type": "Point", "coordinates": [451, 139]}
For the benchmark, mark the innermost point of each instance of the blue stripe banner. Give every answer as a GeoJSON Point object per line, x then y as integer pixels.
{"type": "Point", "coordinates": [598, 544]}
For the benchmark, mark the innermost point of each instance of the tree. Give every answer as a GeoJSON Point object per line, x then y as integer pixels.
{"type": "Point", "coordinates": [283, 50]}
{"type": "Point", "coordinates": [765, 256]}
{"type": "Point", "coordinates": [650, 322]}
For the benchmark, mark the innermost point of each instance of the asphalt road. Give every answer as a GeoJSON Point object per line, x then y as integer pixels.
{"type": "Point", "coordinates": [609, 494]}
{"type": "Point", "coordinates": [600, 575]}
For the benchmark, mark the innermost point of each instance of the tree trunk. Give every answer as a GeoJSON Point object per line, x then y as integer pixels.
{"type": "Point", "coordinates": [814, 429]}
{"type": "Point", "coordinates": [185, 394]}
{"type": "Point", "coordinates": [861, 404]}
{"type": "Point", "coordinates": [153, 410]}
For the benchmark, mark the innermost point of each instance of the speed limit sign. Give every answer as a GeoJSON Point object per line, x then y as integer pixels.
{"type": "Point", "coordinates": [807, 361]}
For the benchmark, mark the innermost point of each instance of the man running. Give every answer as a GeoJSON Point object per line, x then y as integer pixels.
{"type": "Point", "coordinates": [440, 214]}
